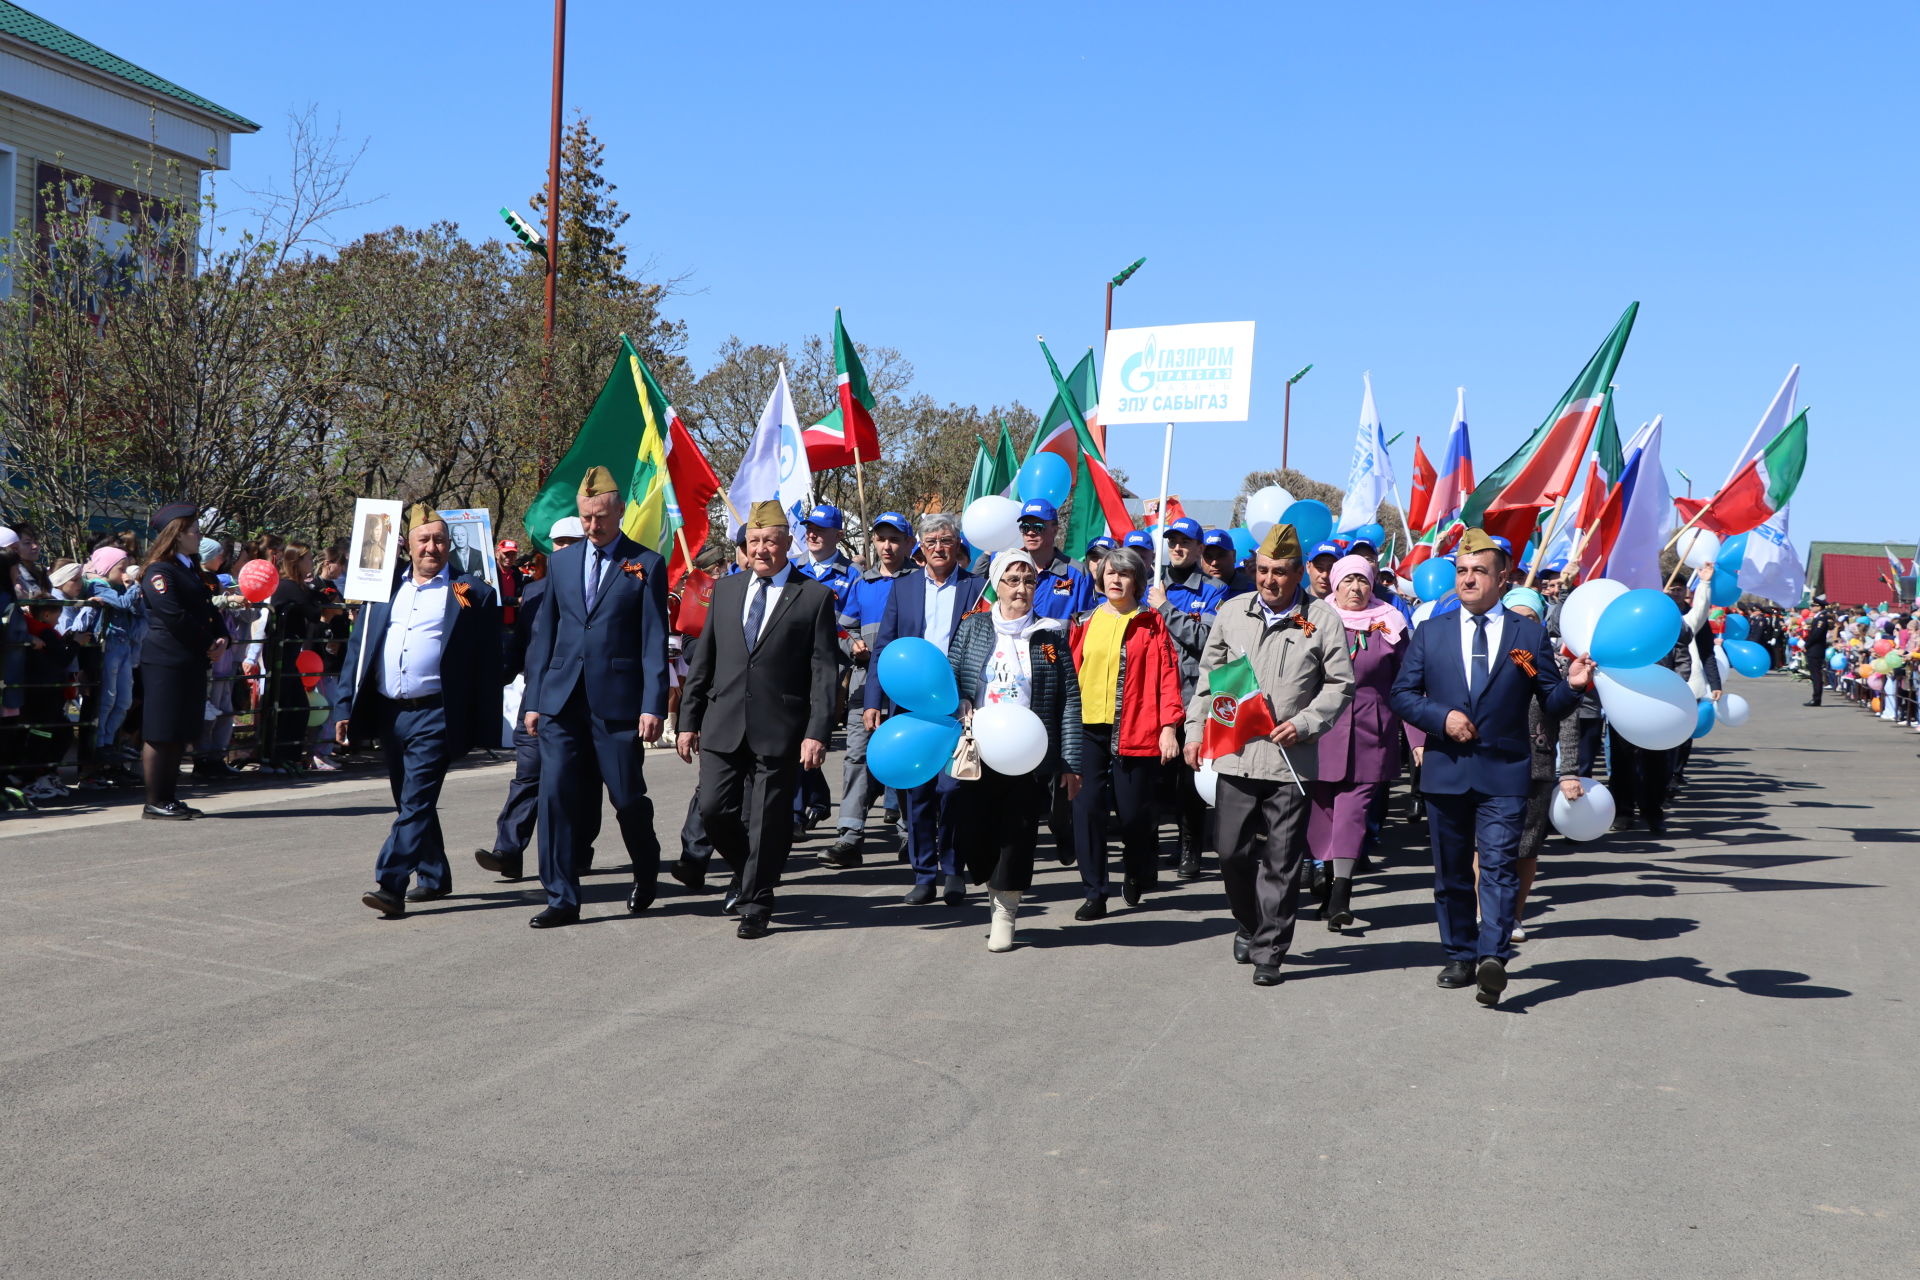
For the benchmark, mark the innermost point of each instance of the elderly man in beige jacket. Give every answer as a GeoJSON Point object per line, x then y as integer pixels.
{"type": "Point", "coordinates": [1299, 653]}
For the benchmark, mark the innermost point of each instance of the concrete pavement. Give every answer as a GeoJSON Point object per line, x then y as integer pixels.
{"type": "Point", "coordinates": [217, 1063]}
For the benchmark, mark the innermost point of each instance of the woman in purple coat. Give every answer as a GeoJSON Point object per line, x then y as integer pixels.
{"type": "Point", "coordinates": [1360, 754]}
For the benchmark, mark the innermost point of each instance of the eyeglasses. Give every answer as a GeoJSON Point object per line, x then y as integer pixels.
{"type": "Point", "coordinates": [937, 542]}
{"type": "Point", "coordinates": [1033, 526]}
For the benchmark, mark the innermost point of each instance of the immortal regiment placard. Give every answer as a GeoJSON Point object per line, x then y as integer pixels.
{"type": "Point", "coordinates": [1178, 373]}
{"type": "Point", "coordinates": [471, 531]}
{"type": "Point", "coordinates": [375, 551]}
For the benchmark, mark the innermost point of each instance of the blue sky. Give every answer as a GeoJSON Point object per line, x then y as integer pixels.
{"type": "Point", "coordinates": [1447, 195]}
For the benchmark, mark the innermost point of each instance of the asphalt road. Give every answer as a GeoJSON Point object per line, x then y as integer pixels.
{"type": "Point", "coordinates": [216, 1062]}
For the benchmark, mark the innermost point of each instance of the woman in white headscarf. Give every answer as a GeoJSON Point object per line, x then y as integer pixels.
{"type": "Point", "coordinates": [1005, 653]}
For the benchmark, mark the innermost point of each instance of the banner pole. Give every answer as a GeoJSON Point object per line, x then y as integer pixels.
{"type": "Point", "coordinates": [1160, 543]}
{"type": "Point", "coordinates": [1553, 531]}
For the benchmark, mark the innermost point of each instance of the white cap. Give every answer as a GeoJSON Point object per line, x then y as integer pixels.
{"type": "Point", "coordinates": [8, 538]}
{"type": "Point", "coordinates": [66, 573]}
{"type": "Point", "coordinates": [1002, 559]}
{"type": "Point", "coordinates": [566, 527]}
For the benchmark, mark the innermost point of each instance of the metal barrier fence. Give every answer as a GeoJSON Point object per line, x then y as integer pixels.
{"type": "Point", "coordinates": [265, 714]}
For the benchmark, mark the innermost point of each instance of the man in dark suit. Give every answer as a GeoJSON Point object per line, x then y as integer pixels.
{"type": "Point", "coordinates": [513, 831]}
{"type": "Point", "coordinates": [757, 707]}
{"type": "Point", "coordinates": [1466, 680]}
{"type": "Point", "coordinates": [928, 602]}
{"type": "Point", "coordinates": [596, 695]}
{"type": "Point", "coordinates": [423, 672]}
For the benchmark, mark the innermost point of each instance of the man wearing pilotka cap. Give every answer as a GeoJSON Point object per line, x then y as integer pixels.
{"type": "Point", "coordinates": [1298, 649]}
{"type": "Point", "coordinates": [1467, 678]}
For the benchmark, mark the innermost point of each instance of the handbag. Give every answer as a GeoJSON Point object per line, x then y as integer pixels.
{"type": "Point", "coordinates": [965, 765]}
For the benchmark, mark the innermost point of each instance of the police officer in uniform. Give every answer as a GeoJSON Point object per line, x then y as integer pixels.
{"type": "Point", "coordinates": [184, 636]}
{"type": "Point", "coordinates": [423, 672]}
{"type": "Point", "coordinates": [596, 695]}
{"type": "Point", "coordinates": [890, 544]}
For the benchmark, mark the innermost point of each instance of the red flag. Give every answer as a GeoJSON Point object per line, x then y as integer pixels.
{"type": "Point", "coordinates": [1424, 477]}
{"type": "Point", "coordinates": [694, 488]}
{"type": "Point", "coordinates": [688, 611]}
{"type": "Point", "coordinates": [1151, 514]}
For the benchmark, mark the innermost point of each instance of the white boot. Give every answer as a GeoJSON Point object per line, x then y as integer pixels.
{"type": "Point", "coordinates": [1005, 903]}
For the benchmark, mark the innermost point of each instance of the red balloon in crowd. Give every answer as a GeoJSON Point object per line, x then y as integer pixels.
{"type": "Point", "coordinates": [310, 668]}
{"type": "Point", "coordinates": [258, 578]}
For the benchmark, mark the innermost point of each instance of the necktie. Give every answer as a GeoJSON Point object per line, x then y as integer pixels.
{"type": "Point", "coordinates": [1480, 671]}
{"type": "Point", "coordinates": [593, 579]}
{"type": "Point", "coordinates": [756, 612]}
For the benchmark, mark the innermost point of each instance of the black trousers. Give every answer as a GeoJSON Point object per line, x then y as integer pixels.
{"type": "Point", "coordinates": [1125, 784]}
{"type": "Point", "coordinates": [1817, 671]}
{"type": "Point", "coordinates": [1589, 753]}
{"type": "Point", "coordinates": [1261, 876]}
{"type": "Point", "coordinates": [1638, 779]}
{"type": "Point", "coordinates": [746, 801]}
{"type": "Point", "coordinates": [996, 825]}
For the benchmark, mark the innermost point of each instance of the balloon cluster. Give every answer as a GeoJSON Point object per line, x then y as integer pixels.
{"type": "Point", "coordinates": [912, 747]}
{"type": "Point", "coordinates": [992, 523]}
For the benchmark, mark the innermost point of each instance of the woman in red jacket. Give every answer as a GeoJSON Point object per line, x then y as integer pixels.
{"type": "Point", "coordinates": [1129, 705]}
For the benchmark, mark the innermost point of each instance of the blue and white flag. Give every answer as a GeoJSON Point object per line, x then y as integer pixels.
{"type": "Point", "coordinates": [1370, 479]}
{"type": "Point", "coordinates": [775, 464]}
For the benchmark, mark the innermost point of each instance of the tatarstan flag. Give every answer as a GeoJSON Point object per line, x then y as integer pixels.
{"type": "Point", "coordinates": [1069, 431]}
{"type": "Point", "coordinates": [847, 435]}
{"type": "Point", "coordinates": [1237, 712]}
{"type": "Point", "coordinates": [1757, 490]}
{"type": "Point", "coordinates": [1543, 470]}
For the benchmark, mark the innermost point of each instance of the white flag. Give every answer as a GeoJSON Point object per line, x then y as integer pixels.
{"type": "Point", "coordinates": [1771, 567]}
{"type": "Point", "coordinates": [775, 465]}
{"type": "Point", "coordinates": [1370, 479]}
{"type": "Point", "coordinates": [1772, 423]}
{"type": "Point", "coordinates": [1648, 518]}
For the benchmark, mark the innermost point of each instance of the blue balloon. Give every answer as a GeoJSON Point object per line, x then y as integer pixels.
{"type": "Point", "coordinates": [1244, 543]}
{"type": "Point", "coordinates": [1311, 520]}
{"type": "Point", "coordinates": [1748, 658]}
{"type": "Point", "coordinates": [1432, 579]}
{"type": "Point", "coordinates": [1371, 534]}
{"type": "Point", "coordinates": [908, 750]}
{"type": "Point", "coordinates": [1637, 629]}
{"type": "Point", "coordinates": [915, 674]}
{"type": "Point", "coordinates": [1046, 476]}
{"type": "Point", "coordinates": [1726, 588]}
{"type": "Point", "coordinates": [1732, 552]}
{"type": "Point", "coordinates": [1837, 661]}
{"type": "Point", "coordinates": [1736, 628]}
{"type": "Point", "coordinates": [1703, 720]}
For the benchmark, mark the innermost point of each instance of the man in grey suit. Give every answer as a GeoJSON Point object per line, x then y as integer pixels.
{"type": "Point", "coordinates": [757, 708]}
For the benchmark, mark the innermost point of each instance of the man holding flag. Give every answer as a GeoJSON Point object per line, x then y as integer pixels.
{"type": "Point", "coordinates": [1274, 676]}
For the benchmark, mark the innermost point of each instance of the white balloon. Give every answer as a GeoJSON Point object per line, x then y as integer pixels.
{"type": "Point", "coordinates": [991, 523]}
{"type": "Point", "coordinates": [1581, 613]}
{"type": "Point", "coordinates": [1207, 782]}
{"type": "Point", "coordinates": [1651, 707]}
{"type": "Point", "coordinates": [1587, 818]}
{"type": "Point", "coordinates": [1011, 738]}
{"type": "Point", "coordinates": [1260, 528]}
{"type": "Point", "coordinates": [1423, 611]}
{"type": "Point", "coordinates": [1698, 547]}
{"type": "Point", "coordinates": [1266, 505]}
{"type": "Point", "coordinates": [1732, 710]}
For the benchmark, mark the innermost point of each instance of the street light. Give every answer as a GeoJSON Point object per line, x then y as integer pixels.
{"type": "Point", "coordinates": [1116, 282]}
{"type": "Point", "coordinates": [1286, 419]}
{"type": "Point", "coordinates": [1684, 476]}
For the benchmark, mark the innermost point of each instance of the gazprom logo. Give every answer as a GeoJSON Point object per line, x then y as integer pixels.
{"type": "Point", "coordinates": [1136, 371]}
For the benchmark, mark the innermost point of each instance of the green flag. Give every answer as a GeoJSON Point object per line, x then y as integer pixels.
{"type": "Point", "coordinates": [1607, 443]}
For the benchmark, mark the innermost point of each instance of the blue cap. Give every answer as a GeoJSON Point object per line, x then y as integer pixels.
{"type": "Point", "coordinates": [1360, 539]}
{"type": "Point", "coordinates": [1217, 538]}
{"type": "Point", "coordinates": [1039, 509]}
{"type": "Point", "coordinates": [895, 519]}
{"type": "Point", "coordinates": [826, 517]}
{"type": "Point", "coordinates": [1140, 540]}
{"type": "Point", "coordinates": [1333, 549]}
{"type": "Point", "coordinates": [1503, 544]}
{"type": "Point", "coordinates": [1188, 527]}
{"type": "Point", "coordinates": [1101, 543]}
{"type": "Point", "coordinates": [1554, 566]}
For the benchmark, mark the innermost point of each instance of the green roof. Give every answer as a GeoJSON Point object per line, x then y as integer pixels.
{"type": "Point", "coordinates": [35, 30]}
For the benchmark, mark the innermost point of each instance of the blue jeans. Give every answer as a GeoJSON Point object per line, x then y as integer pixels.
{"type": "Point", "coordinates": [116, 691]}
{"type": "Point", "coordinates": [417, 758]}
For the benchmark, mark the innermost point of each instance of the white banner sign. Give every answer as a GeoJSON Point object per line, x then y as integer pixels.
{"type": "Point", "coordinates": [1178, 373]}
{"type": "Point", "coordinates": [375, 550]}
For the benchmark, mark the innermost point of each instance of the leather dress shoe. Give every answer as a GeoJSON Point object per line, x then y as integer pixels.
{"type": "Point", "coordinates": [844, 852]}
{"type": "Point", "coordinates": [1189, 865]}
{"type": "Point", "coordinates": [172, 811]}
{"type": "Point", "coordinates": [919, 896]}
{"type": "Point", "coordinates": [956, 894]}
{"type": "Point", "coordinates": [751, 927]}
{"type": "Point", "coordinates": [1266, 975]}
{"type": "Point", "coordinates": [636, 904]}
{"type": "Point", "coordinates": [1092, 909]}
{"type": "Point", "coordinates": [428, 895]}
{"type": "Point", "coordinates": [1242, 949]}
{"type": "Point", "coordinates": [1458, 973]}
{"type": "Point", "coordinates": [1492, 980]}
{"type": "Point", "coordinates": [1656, 827]}
{"type": "Point", "coordinates": [554, 917]}
{"type": "Point", "coordinates": [730, 904]}
{"type": "Point", "coordinates": [689, 873]}
{"type": "Point", "coordinates": [387, 904]}
{"type": "Point", "coordinates": [1130, 890]}
{"type": "Point", "coordinates": [505, 865]}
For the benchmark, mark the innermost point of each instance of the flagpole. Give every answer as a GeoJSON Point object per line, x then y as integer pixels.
{"type": "Point", "coordinates": [1160, 543]}
{"type": "Point", "coordinates": [1553, 531]}
{"type": "Point", "coordinates": [1405, 524]}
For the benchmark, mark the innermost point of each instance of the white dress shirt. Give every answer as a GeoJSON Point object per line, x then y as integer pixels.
{"type": "Point", "coordinates": [774, 584]}
{"type": "Point", "coordinates": [416, 638]}
{"type": "Point", "coordinates": [587, 585]}
{"type": "Point", "coordinates": [1496, 617]}
{"type": "Point", "coordinates": [939, 608]}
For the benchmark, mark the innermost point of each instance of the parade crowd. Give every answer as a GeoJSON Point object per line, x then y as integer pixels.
{"type": "Point", "coordinates": [1480, 707]}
